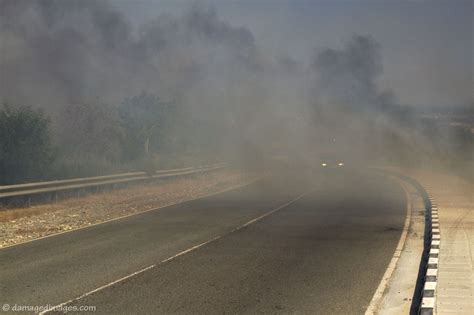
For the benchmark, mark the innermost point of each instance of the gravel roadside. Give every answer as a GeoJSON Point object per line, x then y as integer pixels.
{"type": "Point", "coordinates": [22, 224]}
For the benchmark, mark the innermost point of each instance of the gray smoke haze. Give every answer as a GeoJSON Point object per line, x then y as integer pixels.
{"type": "Point", "coordinates": [57, 54]}
{"type": "Point", "coordinates": [70, 51]}
{"type": "Point", "coordinates": [348, 76]}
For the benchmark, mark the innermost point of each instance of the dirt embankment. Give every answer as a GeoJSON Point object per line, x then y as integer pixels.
{"type": "Point", "coordinates": [21, 224]}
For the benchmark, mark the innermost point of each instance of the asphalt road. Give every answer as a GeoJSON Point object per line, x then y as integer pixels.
{"type": "Point", "coordinates": [322, 254]}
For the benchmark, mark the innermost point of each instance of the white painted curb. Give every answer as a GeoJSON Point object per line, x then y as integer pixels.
{"type": "Point", "coordinates": [428, 302]}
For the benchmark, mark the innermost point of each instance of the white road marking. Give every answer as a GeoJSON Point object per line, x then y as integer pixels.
{"type": "Point", "coordinates": [190, 249]}
{"type": "Point", "coordinates": [174, 256]}
{"type": "Point", "coordinates": [377, 298]}
{"type": "Point", "coordinates": [52, 309]}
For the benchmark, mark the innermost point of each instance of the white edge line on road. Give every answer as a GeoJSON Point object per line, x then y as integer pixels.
{"type": "Point", "coordinates": [59, 306]}
{"type": "Point", "coordinates": [378, 295]}
{"type": "Point", "coordinates": [136, 213]}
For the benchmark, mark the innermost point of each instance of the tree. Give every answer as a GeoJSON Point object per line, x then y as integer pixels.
{"type": "Point", "coordinates": [91, 130]}
{"type": "Point", "coordinates": [25, 144]}
{"type": "Point", "coordinates": [144, 116]}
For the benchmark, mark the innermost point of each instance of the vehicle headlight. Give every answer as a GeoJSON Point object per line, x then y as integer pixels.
{"type": "Point", "coordinates": [324, 164]}
{"type": "Point", "coordinates": [341, 164]}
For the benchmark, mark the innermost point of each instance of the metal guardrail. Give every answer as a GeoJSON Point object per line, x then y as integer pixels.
{"type": "Point", "coordinates": [10, 192]}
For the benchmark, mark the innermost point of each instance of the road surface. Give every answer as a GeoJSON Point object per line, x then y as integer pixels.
{"type": "Point", "coordinates": [309, 247]}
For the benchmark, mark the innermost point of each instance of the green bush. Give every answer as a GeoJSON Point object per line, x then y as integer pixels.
{"type": "Point", "coordinates": [25, 145]}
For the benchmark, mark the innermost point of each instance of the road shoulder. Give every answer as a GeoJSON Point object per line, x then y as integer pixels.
{"type": "Point", "coordinates": [397, 293]}
{"type": "Point", "coordinates": [20, 225]}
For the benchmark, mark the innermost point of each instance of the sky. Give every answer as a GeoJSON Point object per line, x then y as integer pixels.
{"type": "Point", "coordinates": [427, 46]}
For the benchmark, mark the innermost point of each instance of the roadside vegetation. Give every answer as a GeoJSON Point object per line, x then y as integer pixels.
{"type": "Point", "coordinates": [26, 148]}
{"type": "Point", "coordinates": [89, 139]}
{"type": "Point", "coordinates": [139, 134]}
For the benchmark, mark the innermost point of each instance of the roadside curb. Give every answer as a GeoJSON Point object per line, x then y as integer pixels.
{"type": "Point", "coordinates": [428, 276]}
{"type": "Point", "coordinates": [428, 302]}
{"type": "Point", "coordinates": [379, 295]}
{"type": "Point", "coordinates": [424, 301]}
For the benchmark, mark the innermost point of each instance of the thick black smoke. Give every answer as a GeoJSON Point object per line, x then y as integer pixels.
{"type": "Point", "coordinates": [348, 77]}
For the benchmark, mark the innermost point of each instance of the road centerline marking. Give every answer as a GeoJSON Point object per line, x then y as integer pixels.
{"type": "Point", "coordinates": [193, 248]}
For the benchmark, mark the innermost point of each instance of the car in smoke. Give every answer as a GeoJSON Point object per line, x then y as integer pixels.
{"type": "Point", "coordinates": [329, 165]}
{"type": "Point", "coordinates": [331, 161]}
